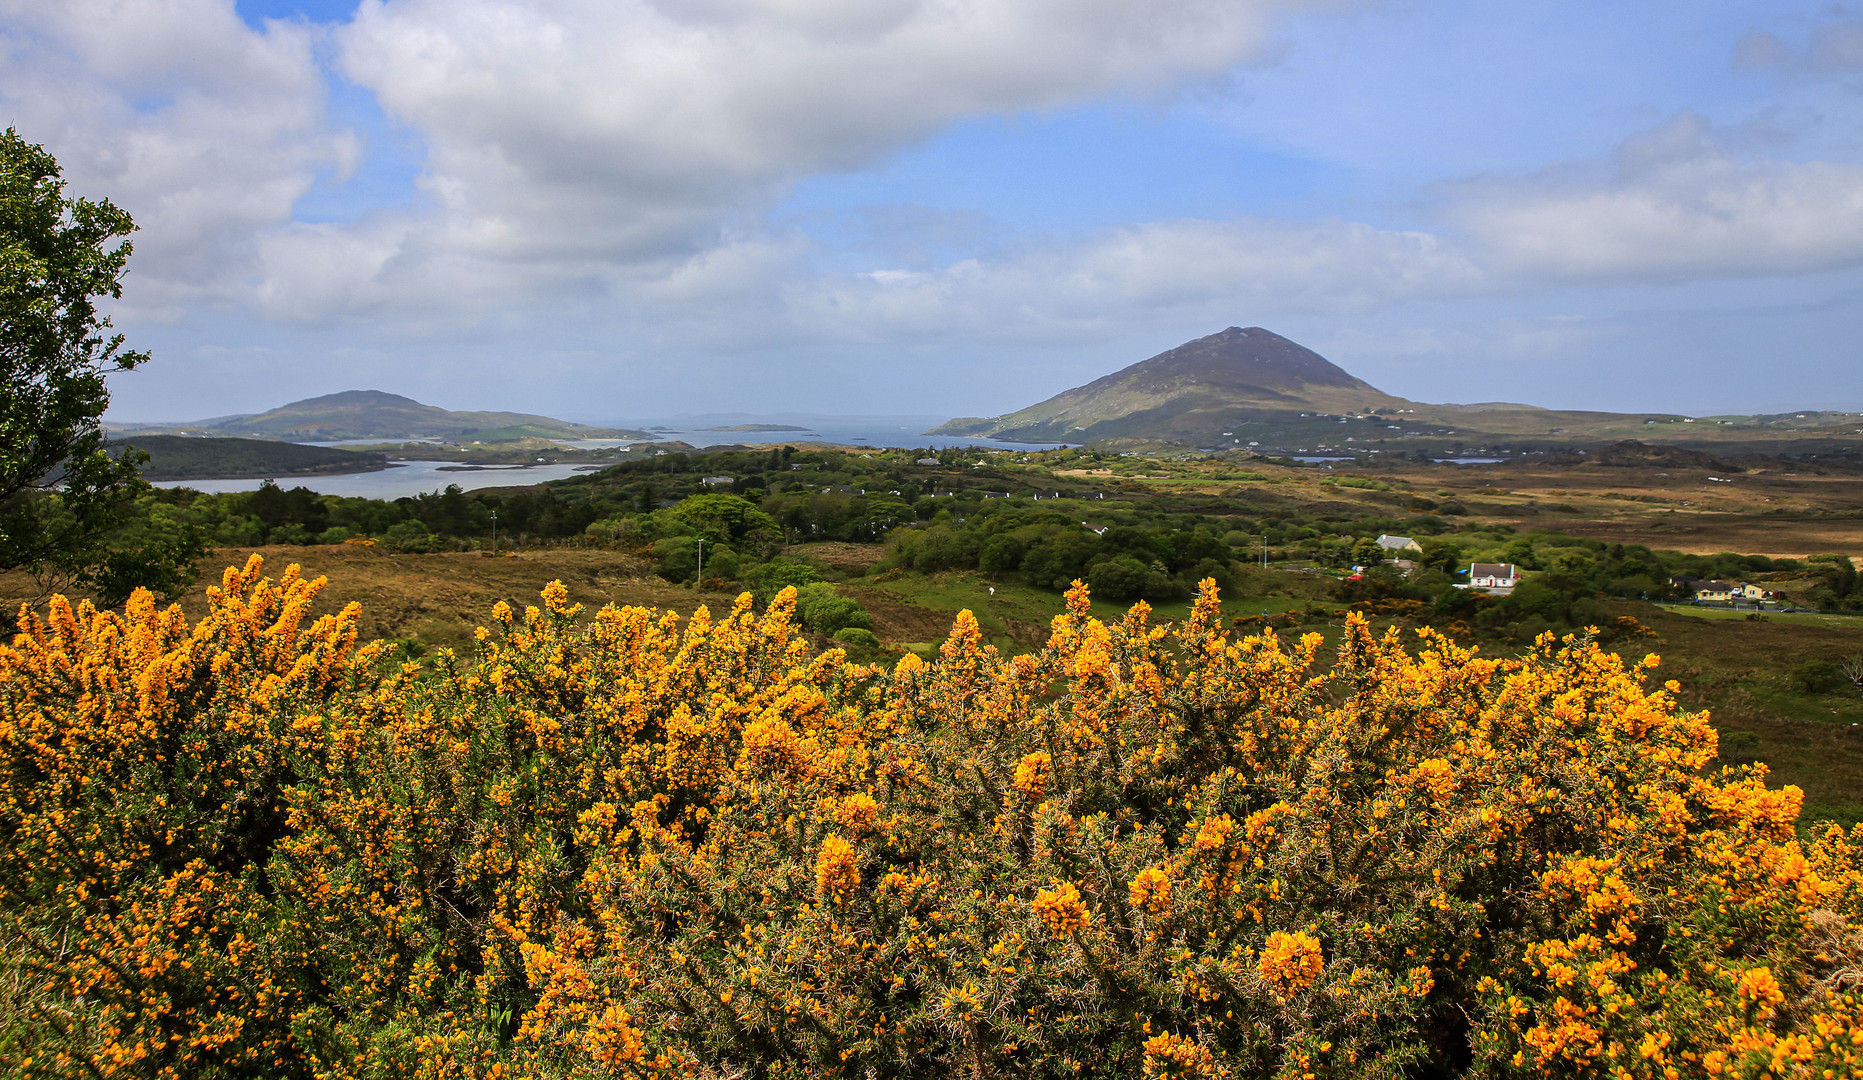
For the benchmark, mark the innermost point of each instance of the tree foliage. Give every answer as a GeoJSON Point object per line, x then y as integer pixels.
{"type": "Point", "coordinates": [59, 489]}
{"type": "Point", "coordinates": [630, 846]}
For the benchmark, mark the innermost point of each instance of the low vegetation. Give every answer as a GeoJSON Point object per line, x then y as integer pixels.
{"type": "Point", "coordinates": [902, 546]}
{"type": "Point", "coordinates": [631, 845]}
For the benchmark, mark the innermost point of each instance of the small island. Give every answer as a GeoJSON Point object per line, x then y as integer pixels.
{"type": "Point", "coordinates": [758, 427]}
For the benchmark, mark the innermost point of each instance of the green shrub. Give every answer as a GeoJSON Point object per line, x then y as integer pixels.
{"type": "Point", "coordinates": [410, 537]}
{"type": "Point", "coordinates": [857, 636]}
{"type": "Point", "coordinates": [678, 557]}
{"type": "Point", "coordinates": [1118, 578]}
{"type": "Point", "coordinates": [861, 645]}
{"type": "Point", "coordinates": [770, 578]}
{"type": "Point", "coordinates": [1817, 676]}
{"type": "Point", "coordinates": [721, 562]}
{"type": "Point", "coordinates": [825, 611]}
{"type": "Point", "coordinates": [1001, 554]}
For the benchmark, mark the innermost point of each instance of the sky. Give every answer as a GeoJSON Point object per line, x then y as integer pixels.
{"type": "Point", "coordinates": [606, 210]}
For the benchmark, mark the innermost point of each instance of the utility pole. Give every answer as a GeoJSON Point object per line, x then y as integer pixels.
{"type": "Point", "coordinates": [1264, 551]}
{"type": "Point", "coordinates": [494, 532]}
{"type": "Point", "coordinates": [700, 582]}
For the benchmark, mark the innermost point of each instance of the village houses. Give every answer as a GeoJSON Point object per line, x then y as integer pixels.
{"type": "Point", "coordinates": [1722, 592]}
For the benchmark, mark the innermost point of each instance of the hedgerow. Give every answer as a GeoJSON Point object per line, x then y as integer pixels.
{"type": "Point", "coordinates": [634, 845]}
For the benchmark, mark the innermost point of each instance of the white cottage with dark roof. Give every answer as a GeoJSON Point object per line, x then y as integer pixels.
{"type": "Point", "coordinates": [1499, 578]}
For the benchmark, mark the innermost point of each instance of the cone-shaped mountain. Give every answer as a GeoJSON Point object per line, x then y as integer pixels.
{"type": "Point", "coordinates": [1193, 393]}
{"type": "Point", "coordinates": [1251, 360]}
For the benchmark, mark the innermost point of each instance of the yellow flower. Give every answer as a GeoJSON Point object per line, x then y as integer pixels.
{"type": "Point", "coordinates": [1151, 889]}
{"type": "Point", "coordinates": [1291, 962]}
{"type": "Point", "coordinates": [837, 870]}
{"type": "Point", "coordinates": [1757, 986]}
{"type": "Point", "coordinates": [612, 1041]}
{"type": "Point", "coordinates": [1061, 909]}
{"type": "Point", "coordinates": [1173, 1057]}
{"type": "Point", "coordinates": [772, 745]}
{"type": "Point", "coordinates": [857, 813]}
{"type": "Point", "coordinates": [1032, 774]}
{"type": "Point", "coordinates": [1213, 833]}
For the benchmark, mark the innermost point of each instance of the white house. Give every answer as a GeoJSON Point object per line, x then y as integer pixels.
{"type": "Point", "coordinates": [1497, 578]}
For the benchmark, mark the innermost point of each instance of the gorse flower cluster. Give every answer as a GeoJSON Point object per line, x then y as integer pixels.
{"type": "Point", "coordinates": [627, 845]}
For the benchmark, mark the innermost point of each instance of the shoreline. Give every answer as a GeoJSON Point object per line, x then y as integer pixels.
{"type": "Point", "coordinates": [260, 474]}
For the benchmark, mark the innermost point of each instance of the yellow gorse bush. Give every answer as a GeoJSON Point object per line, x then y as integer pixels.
{"type": "Point", "coordinates": [1291, 962]}
{"type": "Point", "coordinates": [630, 845]}
{"type": "Point", "coordinates": [1062, 909]}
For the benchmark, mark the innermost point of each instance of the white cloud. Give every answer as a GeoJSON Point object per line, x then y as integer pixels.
{"type": "Point", "coordinates": [576, 152]}
{"type": "Point", "coordinates": [608, 164]}
{"type": "Point", "coordinates": [205, 130]}
{"type": "Point", "coordinates": [1244, 268]}
{"type": "Point", "coordinates": [599, 135]}
{"type": "Point", "coordinates": [1675, 203]}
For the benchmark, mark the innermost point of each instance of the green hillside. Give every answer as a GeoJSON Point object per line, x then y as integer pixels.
{"type": "Point", "coordinates": [374, 414]}
{"type": "Point", "coordinates": [180, 457]}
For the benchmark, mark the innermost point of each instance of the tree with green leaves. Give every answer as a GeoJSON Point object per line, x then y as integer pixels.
{"type": "Point", "coordinates": [729, 519]}
{"type": "Point", "coordinates": [62, 493]}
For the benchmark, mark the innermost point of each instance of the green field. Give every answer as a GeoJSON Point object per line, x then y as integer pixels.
{"type": "Point", "coordinates": [1800, 618]}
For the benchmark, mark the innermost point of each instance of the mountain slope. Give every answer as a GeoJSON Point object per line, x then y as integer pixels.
{"type": "Point", "coordinates": [1193, 393]}
{"type": "Point", "coordinates": [1254, 390]}
{"type": "Point", "coordinates": [374, 414]}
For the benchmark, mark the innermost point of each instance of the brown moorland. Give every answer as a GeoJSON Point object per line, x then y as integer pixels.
{"type": "Point", "coordinates": [437, 599]}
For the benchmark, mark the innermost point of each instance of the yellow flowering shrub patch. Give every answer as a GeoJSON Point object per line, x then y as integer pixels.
{"type": "Point", "coordinates": [623, 844]}
{"type": "Point", "coordinates": [1061, 909]}
{"type": "Point", "coordinates": [1291, 962]}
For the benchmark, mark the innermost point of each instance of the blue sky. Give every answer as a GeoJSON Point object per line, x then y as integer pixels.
{"type": "Point", "coordinates": [608, 210]}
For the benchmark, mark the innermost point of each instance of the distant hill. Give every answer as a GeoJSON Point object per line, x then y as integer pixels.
{"type": "Point", "coordinates": [181, 457]}
{"type": "Point", "coordinates": [1252, 389]}
{"type": "Point", "coordinates": [374, 414]}
{"type": "Point", "coordinates": [1192, 392]}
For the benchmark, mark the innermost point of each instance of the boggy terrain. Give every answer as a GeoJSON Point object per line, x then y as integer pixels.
{"type": "Point", "coordinates": [1768, 506]}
